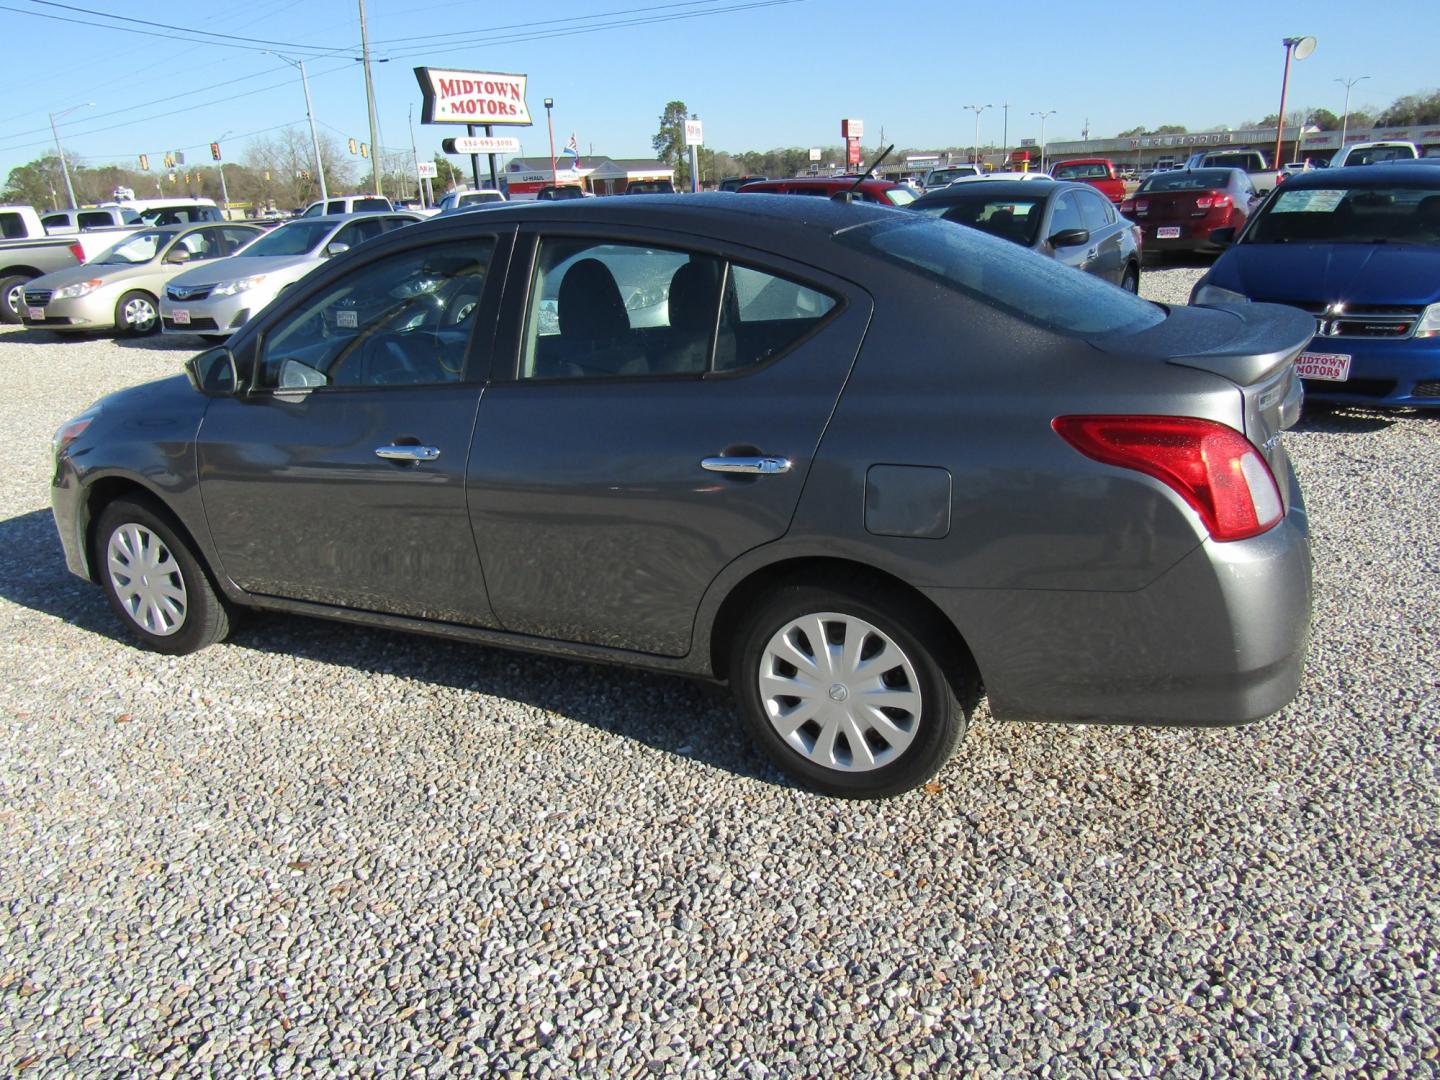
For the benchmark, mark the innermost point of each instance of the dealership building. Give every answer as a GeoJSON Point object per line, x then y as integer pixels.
{"type": "Point", "coordinates": [523, 177]}
{"type": "Point", "coordinates": [1150, 151]}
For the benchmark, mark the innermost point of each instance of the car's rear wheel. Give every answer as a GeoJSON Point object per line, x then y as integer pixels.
{"type": "Point", "coordinates": [1130, 280]}
{"type": "Point", "coordinates": [12, 298]}
{"type": "Point", "coordinates": [155, 581]}
{"type": "Point", "coordinates": [840, 686]}
{"type": "Point", "coordinates": [136, 314]}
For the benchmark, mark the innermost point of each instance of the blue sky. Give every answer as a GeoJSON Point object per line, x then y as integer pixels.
{"type": "Point", "coordinates": [762, 74]}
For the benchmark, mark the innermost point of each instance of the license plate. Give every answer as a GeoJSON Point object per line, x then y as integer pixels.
{"type": "Point", "coordinates": [1168, 232]}
{"type": "Point", "coordinates": [181, 317]}
{"type": "Point", "coordinates": [1327, 367]}
{"type": "Point", "coordinates": [35, 313]}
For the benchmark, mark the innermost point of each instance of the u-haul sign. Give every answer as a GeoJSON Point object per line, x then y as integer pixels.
{"type": "Point", "coordinates": [472, 97]}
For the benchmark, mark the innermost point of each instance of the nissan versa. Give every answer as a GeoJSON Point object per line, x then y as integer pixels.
{"type": "Point", "coordinates": [864, 465]}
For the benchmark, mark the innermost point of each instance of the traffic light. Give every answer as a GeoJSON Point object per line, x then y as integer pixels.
{"type": "Point", "coordinates": [353, 146]}
{"type": "Point", "coordinates": [215, 151]}
{"type": "Point", "coordinates": [144, 162]}
{"type": "Point", "coordinates": [169, 160]}
{"type": "Point", "coordinates": [179, 157]}
{"type": "Point", "coordinates": [267, 174]}
{"type": "Point", "coordinates": [364, 150]}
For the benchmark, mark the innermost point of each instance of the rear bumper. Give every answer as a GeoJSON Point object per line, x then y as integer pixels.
{"type": "Point", "coordinates": [1390, 373]}
{"type": "Point", "coordinates": [1219, 639]}
{"type": "Point", "coordinates": [1193, 237]}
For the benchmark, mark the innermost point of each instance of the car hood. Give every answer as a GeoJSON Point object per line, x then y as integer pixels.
{"type": "Point", "coordinates": [73, 275]}
{"type": "Point", "coordinates": [243, 266]}
{"type": "Point", "coordinates": [1353, 273]}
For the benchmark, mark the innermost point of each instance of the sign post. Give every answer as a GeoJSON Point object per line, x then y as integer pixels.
{"type": "Point", "coordinates": [852, 131]}
{"type": "Point", "coordinates": [485, 98]}
{"type": "Point", "coordinates": [694, 139]}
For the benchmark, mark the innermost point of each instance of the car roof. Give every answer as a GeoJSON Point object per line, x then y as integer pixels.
{"type": "Point", "coordinates": [839, 183]}
{"type": "Point", "coordinates": [1365, 176]}
{"type": "Point", "coordinates": [713, 214]}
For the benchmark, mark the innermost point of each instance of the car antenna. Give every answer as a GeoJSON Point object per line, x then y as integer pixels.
{"type": "Point", "coordinates": [848, 195]}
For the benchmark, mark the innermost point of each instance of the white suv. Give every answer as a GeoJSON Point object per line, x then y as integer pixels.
{"type": "Point", "coordinates": [347, 204]}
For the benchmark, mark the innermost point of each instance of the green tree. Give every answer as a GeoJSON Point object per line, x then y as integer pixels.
{"type": "Point", "coordinates": [669, 141]}
{"type": "Point", "coordinates": [1170, 129]}
{"type": "Point", "coordinates": [1411, 110]}
{"type": "Point", "coordinates": [1128, 133]}
{"type": "Point", "coordinates": [1324, 119]}
{"type": "Point", "coordinates": [37, 183]}
{"type": "Point", "coordinates": [447, 174]}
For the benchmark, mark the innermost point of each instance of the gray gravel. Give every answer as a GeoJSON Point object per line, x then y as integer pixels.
{"type": "Point", "coordinates": [322, 850]}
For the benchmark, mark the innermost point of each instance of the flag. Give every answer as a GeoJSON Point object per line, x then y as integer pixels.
{"type": "Point", "coordinates": [573, 149]}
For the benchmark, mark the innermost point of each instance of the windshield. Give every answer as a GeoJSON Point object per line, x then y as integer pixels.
{"type": "Point", "coordinates": [1370, 154]}
{"type": "Point", "coordinates": [1187, 180]}
{"type": "Point", "coordinates": [1339, 215]}
{"type": "Point", "coordinates": [296, 238]}
{"type": "Point", "coordinates": [1016, 220]}
{"type": "Point", "coordinates": [1039, 290]}
{"type": "Point", "coordinates": [138, 248]}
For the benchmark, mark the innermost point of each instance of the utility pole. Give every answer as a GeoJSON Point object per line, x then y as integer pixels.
{"type": "Point", "coordinates": [310, 116]}
{"type": "Point", "coordinates": [1345, 116]}
{"type": "Point", "coordinates": [64, 167]}
{"type": "Point", "coordinates": [370, 101]}
{"type": "Point", "coordinates": [1005, 136]}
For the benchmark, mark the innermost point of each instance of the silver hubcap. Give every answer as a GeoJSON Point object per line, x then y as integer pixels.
{"type": "Point", "coordinates": [14, 298]}
{"type": "Point", "coordinates": [139, 314]}
{"type": "Point", "coordinates": [147, 580]}
{"type": "Point", "coordinates": [840, 692]}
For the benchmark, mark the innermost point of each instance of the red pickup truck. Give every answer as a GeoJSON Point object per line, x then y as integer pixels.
{"type": "Point", "coordinates": [1099, 173]}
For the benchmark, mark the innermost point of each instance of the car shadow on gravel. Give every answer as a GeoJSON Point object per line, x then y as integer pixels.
{"type": "Point", "coordinates": [153, 343]}
{"type": "Point", "coordinates": [664, 712]}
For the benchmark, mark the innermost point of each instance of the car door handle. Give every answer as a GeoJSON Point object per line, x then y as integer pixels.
{"type": "Point", "coordinates": [760, 466]}
{"type": "Point", "coordinates": [394, 452]}
{"type": "Point", "coordinates": [1092, 253]}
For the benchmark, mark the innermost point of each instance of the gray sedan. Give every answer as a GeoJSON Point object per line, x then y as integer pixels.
{"type": "Point", "coordinates": [1072, 223]}
{"type": "Point", "coordinates": [738, 440]}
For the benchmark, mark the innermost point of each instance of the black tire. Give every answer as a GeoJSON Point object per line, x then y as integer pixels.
{"type": "Point", "coordinates": [134, 525]}
{"type": "Point", "coordinates": [932, 730]}
{"type": "Point", "coordinates": [131, 314]}
{"type": "Point", "coordinates": [12, 302]}
{"type": "Point", "coordinates": [1130, 280]}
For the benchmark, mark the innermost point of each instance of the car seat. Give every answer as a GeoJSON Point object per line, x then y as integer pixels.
{"type": "Point", "coordinates": [694, 297]}
{"type": "Point", "coordinates": [593, 321]}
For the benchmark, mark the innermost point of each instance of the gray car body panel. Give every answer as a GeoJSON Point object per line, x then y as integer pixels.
{"type": "Point", "coordinates": [1084, 591]}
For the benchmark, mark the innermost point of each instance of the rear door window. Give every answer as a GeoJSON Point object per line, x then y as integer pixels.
{"type": "Point", "coordinates": [610, 309]}
{"type": "Point", "coordinates": [1095, 211]}
{"type": "Point", "coordinates": [12, 226]}
{"type": "Point", "coordinates": [1065, 215]}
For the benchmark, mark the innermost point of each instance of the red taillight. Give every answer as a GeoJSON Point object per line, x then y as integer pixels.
{"type": "Point", "coordinates": [1142, 206]}
{"type": "Point", "coordinates": [1212, 201]}
{"type": "Point", "coordinates": [78, 252]}
{"type": "Point", "coordinates": [1127, 205]}
{"type": "Point", "coordinates": [1212, 467]}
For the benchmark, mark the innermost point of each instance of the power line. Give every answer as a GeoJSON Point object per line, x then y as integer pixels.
{"type": "Point", "coordinates": [310, 50]}
{"type": "Point", "coordinates": [167, 26]}
{"type": "Point", "coordinates": [537, 22]}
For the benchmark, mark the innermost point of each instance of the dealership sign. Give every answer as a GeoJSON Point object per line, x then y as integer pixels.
{"type": "Point", "coordinates": [481, 144]}
{"type": "Point", "coordinates": [472, 97]}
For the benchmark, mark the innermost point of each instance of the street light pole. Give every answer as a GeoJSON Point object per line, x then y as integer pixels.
{"type": "Point", "coordinates": [549, 104]}
{"type": "Point", "coordinates": [65, 168]}
{"type": "Point", "coordinates": [224, 193]}
{"type": "Point", "coordinates": [1300, 47]}
{"type": "Point", "coordinates": [1043, 116]}
{"type": "Point", "coordinates": [977, 110]}
{"type": "Point", "coordinates": [1345, 116]}
{"type": "Point", "coordinates": [309, 115]}
{"type": "Point", "coordinates": [1005, 135]}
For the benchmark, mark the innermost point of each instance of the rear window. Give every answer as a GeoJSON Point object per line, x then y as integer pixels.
{"type": "Point", "coordinates": [1030, 286]}
{"type": "Point", "coordinates": [1080, 172]}
{"type": "Point", "coordinates": [1188, 180]}
{"type": "Point", "coordinates": [900, 196]}
{"type": "Point", "coordinates": [362, 205]}
{"type": "Point", "coordinates": [1371, 154]}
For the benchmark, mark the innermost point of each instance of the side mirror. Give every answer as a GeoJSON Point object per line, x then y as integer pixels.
{"type": "Point", "coordinates": [213, 372]}
{"type": "Point", "coordinates": [1070, 238]}
{"type": "Point", "coordinates": [336, 248]}
{"type": "Point", "coordinates": [1223, 237]}
{"type": "Point", "coordinates": [179, 255]}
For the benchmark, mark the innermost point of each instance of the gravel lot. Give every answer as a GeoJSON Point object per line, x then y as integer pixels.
{"type": "Point", "coordinates": [320, 850]}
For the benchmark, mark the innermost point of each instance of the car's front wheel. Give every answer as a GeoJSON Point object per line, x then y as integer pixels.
{"type": "Point", "coordinates": [136, 314]}
{"type": "Point", "coordinates": [154, 579]}
{"type": "Point", "coordinates": [12, 298]}
{"type": "Point", "coordinates": [841, 687]}
{"type": "Point", "coordinates": [1130, 281]}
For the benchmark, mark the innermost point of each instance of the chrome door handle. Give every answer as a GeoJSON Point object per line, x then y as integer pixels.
{"type": "Point", "coordinates": [407, 453]}
{"type": "Point", "coordinates": [761, 466]}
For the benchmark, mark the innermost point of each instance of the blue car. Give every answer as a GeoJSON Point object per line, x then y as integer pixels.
{"type": "Point", "coordinates": [1358, 248]}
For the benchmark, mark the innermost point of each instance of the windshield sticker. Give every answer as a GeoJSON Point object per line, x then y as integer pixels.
{"type": "Point", "coordinates": [347, 320]}
{"type": "Point", "coordinates": [1318, 201]}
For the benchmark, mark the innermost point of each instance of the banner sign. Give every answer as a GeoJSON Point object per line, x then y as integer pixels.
{"type": "Point", "coordinates": [427, 170]}
{"type": "Point", "coordinates": [481, 144]}
{"type": "Point", "coordinates": [472, 97]}
{"type": "Point", "coordinates": [694, 133]}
